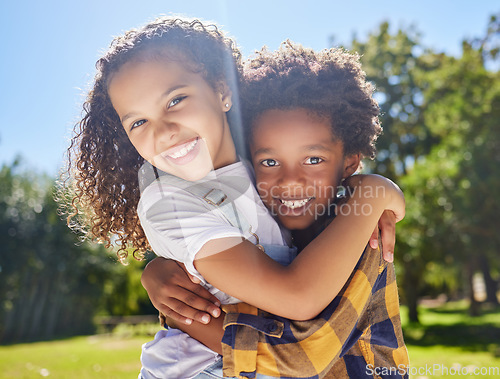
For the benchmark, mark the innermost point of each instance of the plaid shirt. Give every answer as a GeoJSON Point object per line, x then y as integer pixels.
{"type": "Point", "coordinates": [358, 335]}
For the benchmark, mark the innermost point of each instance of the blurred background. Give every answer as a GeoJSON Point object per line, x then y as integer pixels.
{"type": "Point", "coordinates": [435, 66]}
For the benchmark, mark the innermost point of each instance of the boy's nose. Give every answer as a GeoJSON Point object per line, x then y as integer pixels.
{"type": "Point", "coordinates": [290, 177]}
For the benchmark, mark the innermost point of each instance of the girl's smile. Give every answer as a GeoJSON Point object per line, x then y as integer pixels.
{"type": "Point", "coordinates": [173, 117]}
{"type": "Point", "coordinates": [183, 153]}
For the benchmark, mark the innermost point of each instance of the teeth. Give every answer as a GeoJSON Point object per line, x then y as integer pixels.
{"type": "Point", "coordinates": [292, 204]}
{"type": "Point", "coordinates": [182, 152]}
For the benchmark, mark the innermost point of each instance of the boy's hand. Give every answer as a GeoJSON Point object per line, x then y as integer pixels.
{"type": "Point", "coordinates": [387, 227]}
{"type": "Point", "coordinates": [177, 294]}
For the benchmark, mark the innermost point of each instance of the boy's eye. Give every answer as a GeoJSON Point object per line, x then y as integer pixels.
{"type": "Point", "coordinates": [313, 160]}
{"type": "Point", "coordinates": [269, 163]}
{"type": "Point", "coordinates": [176, 101]}
{"type": "Point", "coordinates": [137, 124]}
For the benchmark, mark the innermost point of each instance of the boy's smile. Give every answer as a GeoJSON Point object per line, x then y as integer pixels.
{"type": "Point", "coordinates": [173, 117]}
{"type": "Point", "coordinates": [298, 165]}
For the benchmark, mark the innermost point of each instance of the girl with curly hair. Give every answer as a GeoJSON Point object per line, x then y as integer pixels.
{"type": "Point", "coordinates": [154, 165]}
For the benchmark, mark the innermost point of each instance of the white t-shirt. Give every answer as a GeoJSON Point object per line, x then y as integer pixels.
{"type": "Point", "coordinates": [177, 223]}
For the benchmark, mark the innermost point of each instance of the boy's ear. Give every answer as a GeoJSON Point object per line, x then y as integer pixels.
{"type": "Point", "coordinates": [351, 164]}
{"type": "Point", "coordinates": [226, 97]}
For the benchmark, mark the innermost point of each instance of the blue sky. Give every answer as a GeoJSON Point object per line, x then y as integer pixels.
{"type": "Point", "coordinates": [49, 48]}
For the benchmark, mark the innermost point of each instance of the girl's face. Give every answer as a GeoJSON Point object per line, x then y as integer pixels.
{"type": "Point", "coordinates": [298, 165]}
{"type": "Point", "coordinates": [173, 117]}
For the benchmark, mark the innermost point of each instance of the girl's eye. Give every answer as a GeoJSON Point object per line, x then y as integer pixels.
{"type": "Point", "coordinates": [176, 101]}
{"type": "Point", "coordinates": [137, 124]}
{"type": "Point", "coordinates": [269, 163]}
{"type": "Point", "coordinates": [313, 160]}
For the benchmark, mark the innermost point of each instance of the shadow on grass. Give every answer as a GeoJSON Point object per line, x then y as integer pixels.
{"type": "Point", "coordinates": [468, 337]}
{"type": "Point", "coordinates": [485, 310]}
{"type": "Point", "coordinates": [469, 334]}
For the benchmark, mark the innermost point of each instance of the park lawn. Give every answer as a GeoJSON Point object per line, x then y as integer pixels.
{"type": "Point", "coordinates": [100, 356]}
{"type": "Point", "coordinates": [446, 340]}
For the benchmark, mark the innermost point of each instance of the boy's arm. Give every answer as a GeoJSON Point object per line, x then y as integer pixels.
{"type": "Point", "coordinates": [301, 290]}
{"type": "Point", "coordinates": [169, 286]}
{"type": "Point", "coordinates": [208, 334]}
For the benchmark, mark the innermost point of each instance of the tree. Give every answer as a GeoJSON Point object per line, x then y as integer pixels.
{"type": "Point", "coordinates": [396, 64]}
{"type": "Point", "coordinates": [465, 109]}
{"type": "Point", "coordinates": [440, 144]}
{"type": "Point", "coordinates": [52, 283]}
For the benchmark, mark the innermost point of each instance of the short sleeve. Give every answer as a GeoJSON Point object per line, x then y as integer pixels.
{"type": "Point", "coordinates": [177, 224]}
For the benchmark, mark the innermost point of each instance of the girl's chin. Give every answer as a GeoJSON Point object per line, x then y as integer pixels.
{"type": "Point", "coordinates": [188, 172]}
{"type": "Point", "coordinates": [195, 169]}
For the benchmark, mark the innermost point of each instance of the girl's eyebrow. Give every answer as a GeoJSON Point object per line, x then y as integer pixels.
{"type": "Point", "coordinates": [163, 95]}
{"type": "Point", "coordinates": [172, 89]}
{"type": "Point", "coordinates": [127, 116]}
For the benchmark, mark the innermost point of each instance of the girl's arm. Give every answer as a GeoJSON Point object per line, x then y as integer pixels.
{"type": "Point", "coordinates": [179, 296]}
{"type": "Point", "coordinates": [305, 287]}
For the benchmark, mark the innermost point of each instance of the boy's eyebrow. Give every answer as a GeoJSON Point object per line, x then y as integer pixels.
{"type": "Point", "coordinates": [264, 150]}
{"type": "Point", "coordinates": [316, 147]}
{"type": "Point", "coordinates": [163, 95]}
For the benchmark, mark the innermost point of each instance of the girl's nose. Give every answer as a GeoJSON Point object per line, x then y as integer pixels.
{"type": "Point", "coordinates": [165, 135]}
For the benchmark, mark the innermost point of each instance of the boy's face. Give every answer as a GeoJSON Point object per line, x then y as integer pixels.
{"type": "Point", "coordinates": [298, 165]}
{"type": "Point", "coordinates": [173, 117]}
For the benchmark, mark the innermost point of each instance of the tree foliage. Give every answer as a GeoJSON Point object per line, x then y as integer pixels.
{"type": "Point", "coordinates": [51, 283]}
{"type": "Point", "coordinates": [441, 144]}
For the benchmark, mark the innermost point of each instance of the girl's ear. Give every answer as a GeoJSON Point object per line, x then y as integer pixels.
{"type": "Point", "coordinates": [351, 164]}
{"type": "Point", "coordinates": [226, 97]}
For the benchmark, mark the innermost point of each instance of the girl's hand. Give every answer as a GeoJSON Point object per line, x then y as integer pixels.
{"type": "Point", "coordinates": [387, 227]}
{"type": "Point", "coordinates": [177, 294]}
{"type": "Point", "coordinates": [387, 222]}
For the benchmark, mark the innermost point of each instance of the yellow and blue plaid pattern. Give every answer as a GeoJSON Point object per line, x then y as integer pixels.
{"type": "Point", "coordinates": [358, 335]}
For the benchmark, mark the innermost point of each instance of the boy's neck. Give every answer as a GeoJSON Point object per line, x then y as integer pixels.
{"type": "Point", "coordinates": [302, 237]}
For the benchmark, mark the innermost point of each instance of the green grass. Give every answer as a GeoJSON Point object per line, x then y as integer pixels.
{"type": "Point", "coordinates": [446, 339]}
{"type": "Point", "coordinates": [79, 357]}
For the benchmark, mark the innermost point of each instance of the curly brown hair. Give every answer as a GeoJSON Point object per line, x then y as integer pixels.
{"type": "Point", "coordinates": [329, 83]}
{"type": "Point", "coordinates": [100, 192]}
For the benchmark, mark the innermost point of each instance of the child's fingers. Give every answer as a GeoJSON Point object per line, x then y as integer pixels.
{"type": "Point", "coordinates": [199, 301]}
{"type": "Point", "coordinates": [374, 238]}
{"type": "Point", "coordinates": [387, 225]}
{"type": "Point", "coordinates": [197, 289]}
{"type": "Point", "coordinates": [190, 308]}
{"type": "Point", "coordinates": [171, 315]}
{"type": "Point", "coordinates": [203, 300]}
{"type": "Point", "coordinates": [193, 303]}
{"type": "Point", "coordinates": [194, 279]}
